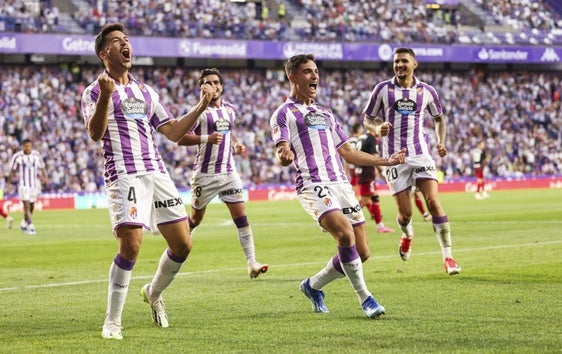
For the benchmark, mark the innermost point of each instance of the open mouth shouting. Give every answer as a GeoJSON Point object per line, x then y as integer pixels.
{"type": "Point", "coordinates": [126, 54]}
{"type": "Point", "coordinates": [313, 87]}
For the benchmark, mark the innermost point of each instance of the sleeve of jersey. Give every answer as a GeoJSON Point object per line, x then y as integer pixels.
{"type": "Point", "coordinates": [88, 102]}
{"type": "Point", "coordinates": [279, 127]}
{"type": "Point", "coordinates": [339, 136]}
{"type": "Point", "coordinates": [434, 106]}
{"type": "Point", "coordinates": [161, 115]}
{"type": "Point", "coordinates": [373, 106]}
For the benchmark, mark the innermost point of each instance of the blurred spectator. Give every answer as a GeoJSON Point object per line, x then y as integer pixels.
{"type": "Point", "coordinates": [396, 21]}
{"type": "Point", "coordinates": [516, 113]}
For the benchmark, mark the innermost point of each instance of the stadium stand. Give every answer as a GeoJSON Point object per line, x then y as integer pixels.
{"type": "Point", "coordinates": [398, 21]}
{"type": "Point", "coordinates": [518, 115]}
{"type": "Point", "coordinates": [517, 112]}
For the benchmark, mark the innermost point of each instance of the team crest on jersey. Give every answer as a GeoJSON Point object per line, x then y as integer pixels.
{"type": "Point", "coordinates": [316, 121]}
{"type": "Point", "coordinates": [405, 106]}
{"type": "Point", "coordinates": [276, 133]}
{"type": "Point", "coordinates": [133, 212]}
{"type": "Point", "coordinates": [133, 108]}
{"type": "Point", "coordinates": [328, 202]}
{"type": "Point", "coordinates": [90, 108]}
{"type": "Point", "coordinates": [222, 126]}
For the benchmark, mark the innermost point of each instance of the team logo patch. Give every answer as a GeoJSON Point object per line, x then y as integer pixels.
{"type": "Point", "coordinates": [133, 108]}
{"type": "Point", "coordinates": [276, 133]}
{"type": "Point", "coordinates": [316, 121]}
{"type": "Point", "coordinates": [133, 212]}
{"type": "Point", "coordinates": [328, 202]}
{"type": "Point", "coordinates": [405, 106]}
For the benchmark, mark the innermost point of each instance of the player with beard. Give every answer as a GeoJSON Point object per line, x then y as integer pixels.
{"type": "Point", "coordinates": [395, 111]}
{"type": "Point", "coordinates": [214, 171]}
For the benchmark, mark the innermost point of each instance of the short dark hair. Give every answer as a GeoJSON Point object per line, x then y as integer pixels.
{"type": "Point", "coordinates": [25, 141]}
{"type": "Point", "coordinates": [295, 61]}
{"type": "Point", "coordinates": [207, 72]}
{"type": "Point", "coordinates": [108, 28]}
{"type": "Point", "coordinates": [405, 50]}
{"type": "Point", "coordinates": [356, 128]}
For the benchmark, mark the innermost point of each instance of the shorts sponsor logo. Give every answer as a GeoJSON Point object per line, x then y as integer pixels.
{"type": "Point", "coordinates": [231, 191]}
{"type": "Point", "coordinates": [168, 203]}
{"type": "Point", "coordinates": [351, 210]}
{"type": "Point", "coordinates": [425, 169]}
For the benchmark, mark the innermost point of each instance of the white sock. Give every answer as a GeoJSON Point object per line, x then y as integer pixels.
{"type": "Point", "coordinates": [166, 272]}
{"type": "Point", "coordinates": [119, 280]}
{"type": "Point", "coordinates": [443, 234]}
{"type": "Point", "coordinates": [328, 274]}
{"type": "Point", "coordinates": [354, 272]}
{"type": "Point", "coordinates": [246, 238]}
{"type": "Point", "coordinates": [353, 269]}
{"type": "Point", "coordinates": [408, 230]}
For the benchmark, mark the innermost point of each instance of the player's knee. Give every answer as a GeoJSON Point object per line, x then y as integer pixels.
{"type": "Point", "coordinates": [194, 221]}
{"type": "Point", "coordinates": [375, 198]}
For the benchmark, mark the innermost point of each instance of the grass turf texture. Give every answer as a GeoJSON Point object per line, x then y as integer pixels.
{"type": "Point", "coordinates": [53, 286]}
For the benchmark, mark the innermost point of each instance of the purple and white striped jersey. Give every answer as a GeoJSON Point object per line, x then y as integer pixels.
{"type": "Point", "coordinates": [28, 167]}
{"type": "Point", "coordinates": [134, 114]}
{"type": "Point", "coordinates": [314, 135]}
{"type": "Point", "coordinates": [404, 108]}
{"type": "Point", "coordinates": [212, 158]}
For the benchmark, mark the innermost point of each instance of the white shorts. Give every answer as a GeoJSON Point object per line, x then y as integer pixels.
{"type": "Point", "coordinates": [320, 199]}
{"type": "Point", "coordinates": [146, 201]}
{"type": "Point", "coordinates": [404, 176]}
{"type": "Point", "coordinates": [28, 194]}
{"type": "Point", "coordinates": [205, 187]}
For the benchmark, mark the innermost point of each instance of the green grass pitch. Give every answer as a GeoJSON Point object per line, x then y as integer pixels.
{"type": "Point", "coordinates": [508, 298]}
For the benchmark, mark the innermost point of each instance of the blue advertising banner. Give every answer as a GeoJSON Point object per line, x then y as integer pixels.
{"type": "Point", "coordinates": [60, 44]}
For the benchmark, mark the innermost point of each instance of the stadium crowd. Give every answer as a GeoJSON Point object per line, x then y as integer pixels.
{"type": "Point", "coordinates": [517, 113]}
{"type": "Point", "coordinates": [397, 21]}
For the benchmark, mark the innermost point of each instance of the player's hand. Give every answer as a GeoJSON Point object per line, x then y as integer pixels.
{"type": "Point", "coordinates": [384, 129]}
{"type": "Point", "coordinates": [207, 93]}
{"type": "Point", "coordinates": [215, 138]}
{"type": "Point", "coordinates": [239, 148]}
{"type": "Point", "coordinates": [441, 150]}
{"type": "Point", "coordinates": [397, 158]}
{"type": "Point", "coordinates": [284, 155]}
{"type": "Point", "coordinates": [107, 84]}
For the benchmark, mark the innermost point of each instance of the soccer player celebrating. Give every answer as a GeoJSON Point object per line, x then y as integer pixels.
{"type": "Point", "coordinates": [395, 111]}
{"type": "Point", "coordinates": [122, 114]}
{"type": "Point", "coordinates": [309, 136]}
{"type": "Point", "coordinates": [214, 172]}
{"type": "Point", "coordinates": [29, 167]}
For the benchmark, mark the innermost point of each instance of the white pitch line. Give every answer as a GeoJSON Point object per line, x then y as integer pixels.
{"type": "Point", "coordinates": [93, 281]}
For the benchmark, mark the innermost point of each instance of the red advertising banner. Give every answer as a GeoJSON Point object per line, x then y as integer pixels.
{"type": "Point", "coordinates": [68, 201]}
{"type": "Point", "coordinates": [43, 203]}
{"type": "Point", "coordinates": [284, 193]}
